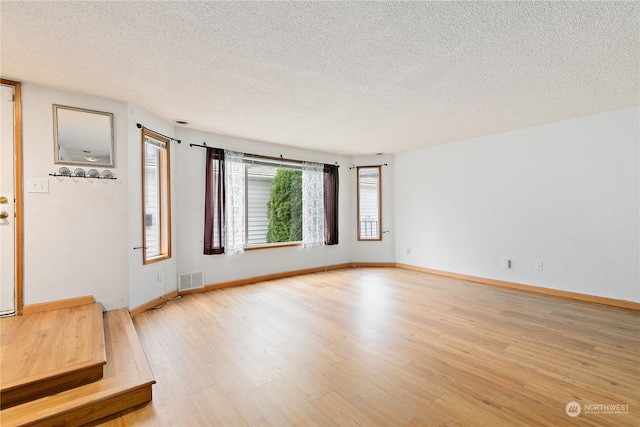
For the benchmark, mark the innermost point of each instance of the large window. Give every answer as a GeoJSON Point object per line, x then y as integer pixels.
{"type": "Point", "coordinates": [274, 204]}
{"type": "Point", "coordinates": [156, 204]}
{"type": "Point", "coordinates": [256, 202]}
{"type": "Point", "coordinates": [369, 224]}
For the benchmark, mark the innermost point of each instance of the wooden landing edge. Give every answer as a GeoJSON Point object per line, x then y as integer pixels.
{"type": "Point", "coordinates": [57, 305]}
{"type": "Point", "coordinates": [82, 410]}
{"type": "Point", "coordinates": [74, 408]}
{"type": "Point", "coordinates": [97, 324]}
{"type": "Point", "coordinates": [127, 396]}
{"type": "Point", "coordinates": [142, 364]}
{"type": "Point", "coordinates": [97, 359]}
{"type": "Point", "coordinates": [629, 305]}
{"type": "Point", "coordinates": [36, 387]}
{"type": "Point", "coordinates": [67, 377]}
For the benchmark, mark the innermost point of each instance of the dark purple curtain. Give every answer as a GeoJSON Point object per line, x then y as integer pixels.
{"type": "Point", "coordinates": [331, 204]}
{"type": "Point", "coordinates": [214, 203]}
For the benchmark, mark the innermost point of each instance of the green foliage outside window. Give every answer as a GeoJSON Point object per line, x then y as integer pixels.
{"type": "Point", "coordinates": [284, 208]}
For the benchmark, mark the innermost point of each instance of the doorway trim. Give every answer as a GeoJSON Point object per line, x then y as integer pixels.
{"type": "Point", "coordinates": [18, 188]}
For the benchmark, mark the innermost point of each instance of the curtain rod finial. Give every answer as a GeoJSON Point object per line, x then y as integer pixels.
{"type": "Point", "coordinates": [139, 126]}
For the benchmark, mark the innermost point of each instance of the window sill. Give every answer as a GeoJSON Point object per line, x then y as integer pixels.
{"type": "Point", "coordinates": [272, 245]}
{"type": "Point", "coordinates": [156, 258]}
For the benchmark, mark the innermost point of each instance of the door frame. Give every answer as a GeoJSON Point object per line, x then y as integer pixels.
{"type": "Point", "coordinates": [18, 188]}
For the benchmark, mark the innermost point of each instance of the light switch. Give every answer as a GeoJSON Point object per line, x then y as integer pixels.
{"type": "Point", "coordinates": [38, 185]}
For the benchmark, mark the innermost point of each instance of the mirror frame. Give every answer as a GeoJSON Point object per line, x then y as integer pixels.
{"type": "Point", "coordinates": [56, 145]}
{"type": "Point", "coordinates": [379, 226]}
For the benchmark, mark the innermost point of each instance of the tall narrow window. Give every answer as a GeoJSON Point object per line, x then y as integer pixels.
{"type": "Point", "coordinates": [156, 198]}
{"type": "Point", "coordinates": [369, 195]}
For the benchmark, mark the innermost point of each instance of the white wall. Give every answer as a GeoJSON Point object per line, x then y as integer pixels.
{"type": "Point", "coordinates": [73, 239]}
{"type": "Point", "coordinates": [79, 238]}
{"type": "Point", "coordinates": [372, 250]}
{"type": "Point", "coordinates": [566, 194]}
{"type": "Point", "coordinates": [188, 198]}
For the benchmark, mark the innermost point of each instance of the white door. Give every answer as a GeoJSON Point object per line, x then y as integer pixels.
{"type": "Point", "coordinates": [7, 205]}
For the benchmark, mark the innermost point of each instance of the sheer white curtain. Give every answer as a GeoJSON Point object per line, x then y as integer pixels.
{"type": "Point", "coordinates": [235, 206]}
{"type": "Point", "coordinates": [312, 205]}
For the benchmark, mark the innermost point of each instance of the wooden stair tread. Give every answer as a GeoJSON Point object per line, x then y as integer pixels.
{"type": "Point", "coordinates": [40, 357]}
{"type": "Point", "coordinates": [56, 373]}
{"type": "Point", "coordinates": [127, 382]}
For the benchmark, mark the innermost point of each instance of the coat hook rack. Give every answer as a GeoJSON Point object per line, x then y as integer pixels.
{"type": "Point", "coordinates": [81, 173]}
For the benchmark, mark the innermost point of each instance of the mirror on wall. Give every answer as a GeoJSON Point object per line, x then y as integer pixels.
{"type": "Point", "coordinates": [369, 203]}
{"type": "Point", "coordinates": [82, 137]}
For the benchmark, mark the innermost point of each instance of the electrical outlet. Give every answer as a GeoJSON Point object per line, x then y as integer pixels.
{"type": "Point", "coordinates": [38, 185]}
{"type": "Point", "coordinates": [506, 263]}
{"type": "Point", "coordinates": [539, 265]}
{"type": "Point", "coordinates": [408, 251]}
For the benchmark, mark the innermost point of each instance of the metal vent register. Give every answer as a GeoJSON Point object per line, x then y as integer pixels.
{"type": "Point", "coordinates": [189, 281]}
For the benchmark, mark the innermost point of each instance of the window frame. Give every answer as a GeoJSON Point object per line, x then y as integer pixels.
{"type": "Point", "coordinates": [379, 226]}
{"type": "Point", "coordinates": [164, 198]}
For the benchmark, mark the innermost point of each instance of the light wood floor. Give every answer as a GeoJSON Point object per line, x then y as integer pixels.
{"type": "Point", "coordinates": [386, 347]}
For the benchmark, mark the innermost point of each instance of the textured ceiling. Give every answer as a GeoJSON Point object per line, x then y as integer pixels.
{"type": "Point", "coordinates": [344, 77]}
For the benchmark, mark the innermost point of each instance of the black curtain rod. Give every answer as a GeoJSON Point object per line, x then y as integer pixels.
{"type": "Point", "coordinates": [140, 126]}
{"type": "Point", "coordinates": [368, 166]}
{"type": "Point", "coordinates": [258, 156]}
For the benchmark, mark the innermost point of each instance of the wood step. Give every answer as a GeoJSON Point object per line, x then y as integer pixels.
{"type": "Point", "coordinates": [51, 351]}
{"type": "Point", "coordinates": [126, 383]}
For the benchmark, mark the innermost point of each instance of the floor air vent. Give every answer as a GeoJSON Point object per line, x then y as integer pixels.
{"type": "Point", "coordinates": [189, 281]}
